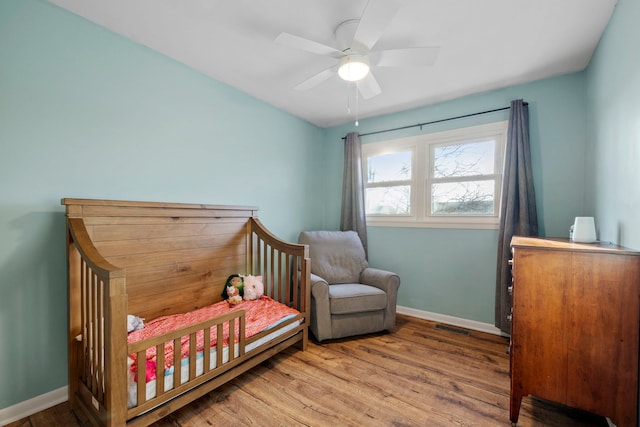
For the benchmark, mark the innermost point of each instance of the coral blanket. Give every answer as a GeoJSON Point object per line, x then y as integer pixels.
{"type": "Point", "coordinates": [259, 315]}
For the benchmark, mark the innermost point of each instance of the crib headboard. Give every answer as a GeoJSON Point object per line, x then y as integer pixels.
{"type": "Point", "coordinates": [177, 256]}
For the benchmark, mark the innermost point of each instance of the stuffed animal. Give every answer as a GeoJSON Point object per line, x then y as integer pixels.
{"type": "Point", "coordinates": [134, 323]}
{"type": "Point", "coordinates": [233, 289]}
{"type": "Point", "coordinates": [249, 293]}
{"type": "Point", "coordinates": [233, 295]}
{"type": "Point", "coordinates": [253, 287]}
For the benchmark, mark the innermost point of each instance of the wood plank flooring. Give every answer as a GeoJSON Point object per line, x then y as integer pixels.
{"type": "Point", "coordinates": [419, 375]}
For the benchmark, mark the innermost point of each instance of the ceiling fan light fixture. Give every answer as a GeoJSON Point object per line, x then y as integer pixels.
{"type": "Point", "coordinates": [353, 68]}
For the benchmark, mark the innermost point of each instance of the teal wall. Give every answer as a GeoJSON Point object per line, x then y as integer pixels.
{"type": "Point", "coordinates": [87, 113]}
{"type": "Point", "coordinates": [613, 97]}
{"type": "Point", "coordinates": [452, 271]}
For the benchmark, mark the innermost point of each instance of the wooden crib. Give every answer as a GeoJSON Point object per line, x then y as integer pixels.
{"type": "Point", "coordinates": [154, 259]}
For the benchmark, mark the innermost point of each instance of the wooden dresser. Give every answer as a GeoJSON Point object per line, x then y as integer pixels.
{"type": "Point", "coordinates": [575, 323]}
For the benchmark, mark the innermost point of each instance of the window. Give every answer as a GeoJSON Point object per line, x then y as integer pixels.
{"type": "Point", "coordinates": [445, 179]}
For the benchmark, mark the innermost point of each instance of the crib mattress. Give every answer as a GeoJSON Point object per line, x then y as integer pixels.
{"type": "Point", "coordinates": [260, 315]}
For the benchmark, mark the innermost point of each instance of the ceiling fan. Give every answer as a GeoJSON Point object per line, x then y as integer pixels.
{"type": "Point", "coordinates": [355, 53]}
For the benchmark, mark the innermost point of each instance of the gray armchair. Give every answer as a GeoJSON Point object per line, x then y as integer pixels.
{"type": "Point", "coordinates": [347, 296]}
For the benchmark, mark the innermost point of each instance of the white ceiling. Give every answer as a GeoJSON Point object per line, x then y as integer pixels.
{"type": "Point", "coordinates": [484, 45]}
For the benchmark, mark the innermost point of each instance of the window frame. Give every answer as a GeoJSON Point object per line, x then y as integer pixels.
{"type": "Point", "coordinates": [422, 167]}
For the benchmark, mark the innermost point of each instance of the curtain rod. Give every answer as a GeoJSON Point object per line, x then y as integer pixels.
{"type": "Point", "coordinates": [435, 121]}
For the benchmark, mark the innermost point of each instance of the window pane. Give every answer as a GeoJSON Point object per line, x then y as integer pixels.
{"type": "Point", "coordinates": [389, 167]}
{"type": "Point", "coordinates": [389, 200]}
{"type": "Point", "coordinates": [463, 198]}
{"type": "Point", "coordinates": [471, 159]}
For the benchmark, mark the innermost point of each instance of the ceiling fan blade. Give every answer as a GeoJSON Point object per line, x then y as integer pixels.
{"type": "Point", "coordinates": [296, 42]}
{"type": "Point", "coordinates": [376, 17]}
{"type": "Point", "coordinates": [369, 87]}
{"type": "Point", "coordinates": [316, 79]}
{"type": "Point", "coordinates": [408, 57]}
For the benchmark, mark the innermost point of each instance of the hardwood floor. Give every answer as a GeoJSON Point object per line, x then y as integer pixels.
{"type": "Point", "coordinates": [419, 375]}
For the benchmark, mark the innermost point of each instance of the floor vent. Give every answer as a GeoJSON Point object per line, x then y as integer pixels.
{"type": "Point", "coordinates": [452, 329]}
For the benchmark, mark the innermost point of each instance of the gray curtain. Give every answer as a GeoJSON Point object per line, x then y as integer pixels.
{"type": "Point", "coordinates": [353, 215]}
{"type": "Point", "coordinates": [518, 208]}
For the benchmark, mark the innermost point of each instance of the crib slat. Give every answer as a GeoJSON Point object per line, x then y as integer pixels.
{"type": "Point", "coordinates": [192, 355]}
{"type": "Point", "coordinates": [262, 266]}
{"type": "Point", "coordinates": [281, 279]}
{"type": "Point", "coordinates": [241, 338]}
{"type": "Point", "coordinates": [289, 271]}
{"type": "Point", "coordinates": [232, 339]}
{"type": "Point", "coordinates": [177, 372]}
{"type": "Point", "coordinates": [206, 360]}
{"type": "Point", "coordinates": [160, 369]}
{"type": "Point", "coordinates": [94, 335]}
{"type": "Point", "coordinates": [85, 331]}
{"type": "Point", "coordinates": [101, 338]}
{"type": "Point", "coordinates": [219, 346]}
{"type": "Point", "coordinates": [271, 256]}
{"type": "Point", "coordinates": [89, 327]}
{"type": "Point", "coordinates": [141, 372]}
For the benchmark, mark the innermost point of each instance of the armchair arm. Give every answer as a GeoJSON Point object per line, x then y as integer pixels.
{"type": "Point", "coordinates": [320, 311]}
{"type": "Point", "coordinates": [385, 280]}
{"type": "Point", "coordinates": [319, 287]}
{"type": "Point", "coordinates": [388, 282]}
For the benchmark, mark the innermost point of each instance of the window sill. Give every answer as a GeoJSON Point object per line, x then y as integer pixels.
{"type": "Point", "coordinates": [491, 224]}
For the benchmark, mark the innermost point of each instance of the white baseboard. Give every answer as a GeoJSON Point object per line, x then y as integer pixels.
{"type": "Point", "coordinates": [450, 320]}
{"type": "Point", "coordinates": [29, 407]}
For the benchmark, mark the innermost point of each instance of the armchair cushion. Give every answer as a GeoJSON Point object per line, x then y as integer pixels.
{"type": "Point", "coordinates": [336, 256]}
{"type": "Point", "coordinates": [355, 298]}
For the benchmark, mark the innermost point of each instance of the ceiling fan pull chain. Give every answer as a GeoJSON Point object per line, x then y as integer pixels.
{"type": "Point", "coordinates": [357, 104]}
